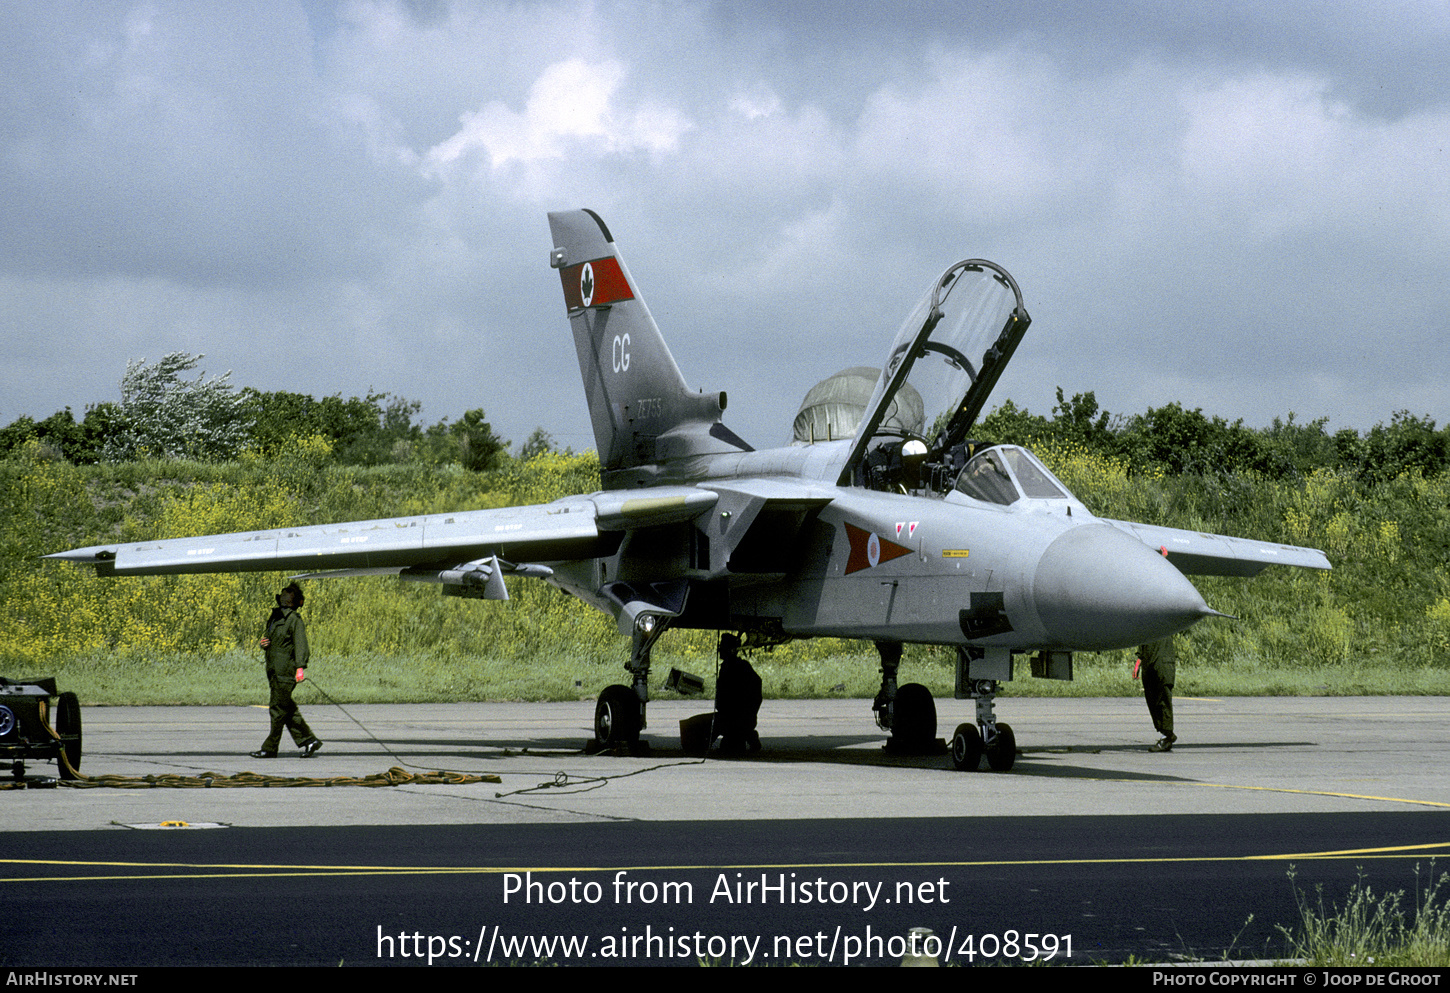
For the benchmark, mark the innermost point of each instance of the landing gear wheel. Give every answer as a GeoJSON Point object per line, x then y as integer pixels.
{"type": "Point", "coordinates": [966, 748]}
{"type": "Point", "coordinates": [1002, 752]}
{"type": "Point", "coordinates": [913, 717]}
{"type": "Point", "coordinates": [616, 717]}
{"type": "Point", "coordinates": [68, 727]}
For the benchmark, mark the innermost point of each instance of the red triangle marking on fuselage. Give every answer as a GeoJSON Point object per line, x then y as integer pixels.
{"type": "Point", "coordinates": [860, 557]}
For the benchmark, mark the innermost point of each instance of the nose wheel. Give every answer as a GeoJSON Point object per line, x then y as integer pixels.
{"type": "Point", "coordinates": [966, 748]}
{"type": "Point", "coordinates": [1002, 750]}
{"type": "Point", "coordinates": [986, 737]}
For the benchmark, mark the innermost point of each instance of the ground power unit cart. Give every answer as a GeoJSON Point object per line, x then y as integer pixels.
{"type": "Point", "coordinates": [26, 731]}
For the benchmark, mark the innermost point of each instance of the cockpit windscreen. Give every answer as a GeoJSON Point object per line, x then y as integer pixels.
{"type": "Point", "coordinates": [1005, 474]}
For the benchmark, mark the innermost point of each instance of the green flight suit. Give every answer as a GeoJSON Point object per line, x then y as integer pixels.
{"type": "Point", "coordinates": [286, 653]}
{"type": "Point", "coordinates": [1160, 667]}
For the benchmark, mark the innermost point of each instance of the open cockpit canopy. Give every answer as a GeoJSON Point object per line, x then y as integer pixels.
{"type": "Point", "coordinates": [950, 352]}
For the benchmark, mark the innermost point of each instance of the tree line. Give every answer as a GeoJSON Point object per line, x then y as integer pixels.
{"type": "Point", "coordinates": [167, 415]}
{"type": "Point", "coordinates": [164, 414]}
{"type": "Point", "coordinates": [1172, 440]}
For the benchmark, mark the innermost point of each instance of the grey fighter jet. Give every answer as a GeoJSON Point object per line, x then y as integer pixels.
{"type": "Point", "coordinates": [882, 521]}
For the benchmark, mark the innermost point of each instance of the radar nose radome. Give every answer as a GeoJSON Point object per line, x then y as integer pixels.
{"type": "Point", "coordinates": [1096, 588]}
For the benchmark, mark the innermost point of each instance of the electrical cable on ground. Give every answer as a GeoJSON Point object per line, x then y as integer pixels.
{"type": "Point", "coordinates": [395, 776]}
{"type": "Point", "coordinates": [561, 781]}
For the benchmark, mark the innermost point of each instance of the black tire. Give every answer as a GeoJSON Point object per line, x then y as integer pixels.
{"type": "Point", "coordinates": [966, 748]}
{"type": "Point", "coordinates": [1002, 752]}
{"type": "Point", "coordinates": [68, 726]}
{"type": "Point", "coordinates": [616, 717]}
{"type": "Point", "coordinates": [913, 716]}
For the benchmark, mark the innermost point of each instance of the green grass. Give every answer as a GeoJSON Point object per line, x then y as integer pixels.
{"type": "Point", "coordinates": [1374, 929]}
{"type": "Point", "coordinates": [1379, 623]}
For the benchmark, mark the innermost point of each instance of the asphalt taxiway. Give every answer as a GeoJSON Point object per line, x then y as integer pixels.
{"type": "Point", "coordinates": [822, 759]}
{"type": "Point", "coordinates": [822, 845]}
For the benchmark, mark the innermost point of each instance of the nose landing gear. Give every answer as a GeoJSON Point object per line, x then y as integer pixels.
{"type": "Point", "coordinates": [972, 741]}
{"type": "Point", "coordinates": [980, 671]}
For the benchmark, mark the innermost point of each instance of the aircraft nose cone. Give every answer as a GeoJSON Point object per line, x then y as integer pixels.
{"type": "Point", "coordinates": [1096, 588]}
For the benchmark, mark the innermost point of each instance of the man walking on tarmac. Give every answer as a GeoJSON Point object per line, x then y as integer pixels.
{"type": "Point", "coordinates": [284, 645]}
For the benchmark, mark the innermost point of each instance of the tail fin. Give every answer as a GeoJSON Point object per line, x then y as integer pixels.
{"type": "Point", "coordinates": [643, 412]}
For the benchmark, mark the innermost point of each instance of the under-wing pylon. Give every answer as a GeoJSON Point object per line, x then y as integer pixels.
{"type": "Point", "coordinates": [885, 522]}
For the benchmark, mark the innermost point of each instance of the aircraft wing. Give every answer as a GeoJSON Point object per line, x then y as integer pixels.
{"type": "Point", "coordinates": [574, 528]}
{"type": "Point", "coordinates": [1197, 553]}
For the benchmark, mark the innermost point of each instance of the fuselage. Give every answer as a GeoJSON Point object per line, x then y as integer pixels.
{"type": "Point", "coordinates": [787, 549]}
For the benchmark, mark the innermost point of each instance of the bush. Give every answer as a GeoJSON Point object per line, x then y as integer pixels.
{"type": "Point", "coordinates": [163, 416]}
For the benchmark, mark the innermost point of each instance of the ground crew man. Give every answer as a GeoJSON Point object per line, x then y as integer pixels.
{"type": "Point", "coordinates": [284, 646]}
{"type": "Point", "coordinates": [1158, 662]}
{"type": "Point", "coordinates": [737, 700]}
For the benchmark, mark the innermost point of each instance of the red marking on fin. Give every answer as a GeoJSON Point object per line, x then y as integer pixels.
{"type": "Point", "coordinates": [597, 283]}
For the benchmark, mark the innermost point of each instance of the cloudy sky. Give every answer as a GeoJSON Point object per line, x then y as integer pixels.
{"type": "Point", "coordinates": [1243, 207]}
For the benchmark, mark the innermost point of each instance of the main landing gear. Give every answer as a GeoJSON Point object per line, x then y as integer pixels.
{"type": "Point", "coordinates": [908, 712]}
{"type": "Point", "coordinates": [619, 716]}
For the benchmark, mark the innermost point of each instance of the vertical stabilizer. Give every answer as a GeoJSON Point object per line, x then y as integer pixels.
{"type": "Point", "coordinates": [643, 412]}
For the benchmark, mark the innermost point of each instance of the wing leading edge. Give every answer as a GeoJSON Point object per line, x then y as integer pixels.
{"type": "Point", "coordinates": [576, 528]}
{"type": "Point", "coordinates": [1197, 553]}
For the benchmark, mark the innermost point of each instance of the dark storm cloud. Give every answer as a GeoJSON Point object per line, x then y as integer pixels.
{"type": "Point", "coordinates": [1238, 207]}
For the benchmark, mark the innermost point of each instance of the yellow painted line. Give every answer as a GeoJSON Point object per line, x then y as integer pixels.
{"type": "Point", "coordinates": [206, 865]}
{"type": "Point", "coordinates": [1285, 789]}
{"type": "Point", "coordinates": [1345, 853]}
{"type": "Point", "coordinates": [1345, 796]}
{"type": "Point", "coordinates": [1402, 851]}
{"type": "Point", "coordinates": [237, 875]}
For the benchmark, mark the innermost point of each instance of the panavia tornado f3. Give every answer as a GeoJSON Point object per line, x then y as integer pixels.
{"type": "Point", "coordinates": [882, 520]}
